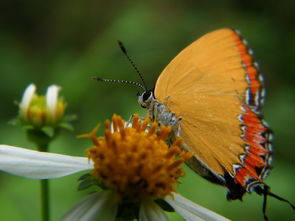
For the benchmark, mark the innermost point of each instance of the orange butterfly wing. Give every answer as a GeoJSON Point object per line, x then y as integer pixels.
{"type": "Point", "coordinates": [215, 87]}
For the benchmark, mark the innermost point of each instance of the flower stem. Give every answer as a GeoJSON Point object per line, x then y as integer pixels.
{"type": "Point", "coordinates": [45, 212]}
{"type": "Point", "coordinates": [44, 200]}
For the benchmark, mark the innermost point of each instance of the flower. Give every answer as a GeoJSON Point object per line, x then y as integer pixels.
{"type": "Point", "coordinates": [132, 163]}
{"type": "Point", "coordinates": [42, 117]}
{"type": "Point", "coordinates": [38, 111]}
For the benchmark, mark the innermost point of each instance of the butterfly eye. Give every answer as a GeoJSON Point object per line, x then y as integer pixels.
{"type": "Point", "coordinates": [145, 98]}
{"type": "Point", "coordinates": [146, 95]}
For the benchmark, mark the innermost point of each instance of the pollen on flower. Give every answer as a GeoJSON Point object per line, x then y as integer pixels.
{"type": "Point", "coordinates": [135, 161]}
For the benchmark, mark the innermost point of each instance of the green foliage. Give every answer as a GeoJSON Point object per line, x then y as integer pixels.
{"type": "Point", "coordinates": [87, 181]}
{"type": "Point", "coordinates": [164, 205]}
{"type": "Point", "coordinates": [68, 42]}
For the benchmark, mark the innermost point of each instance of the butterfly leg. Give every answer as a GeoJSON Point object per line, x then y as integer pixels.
{"type": "Point", "coordinates": [177, 127]}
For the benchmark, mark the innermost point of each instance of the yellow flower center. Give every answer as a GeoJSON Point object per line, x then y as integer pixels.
{"type": "Point", "coordinates": [135, 161]}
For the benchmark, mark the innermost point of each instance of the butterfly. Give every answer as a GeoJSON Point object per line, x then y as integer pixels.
{"type": "Point", "coordinates": [212, 94]}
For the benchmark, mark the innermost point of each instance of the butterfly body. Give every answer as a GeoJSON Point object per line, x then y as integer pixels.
{"type": "Point", "coordinates": [160, 113]}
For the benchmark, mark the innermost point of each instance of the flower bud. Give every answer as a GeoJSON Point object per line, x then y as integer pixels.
{"type": "Point", "coordinates": [38, 110]}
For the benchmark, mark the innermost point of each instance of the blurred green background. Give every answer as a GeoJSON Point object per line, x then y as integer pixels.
{"type": "Point", "coordinates": [67, 42]}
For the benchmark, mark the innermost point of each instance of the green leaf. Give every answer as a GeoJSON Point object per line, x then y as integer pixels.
{"type": "Point", "coordinates": [85, 184]}
{"type": "Point", "coordinates": [84, 176]}
{"type": "Point", "coordinates": [88, 180]}
{"type": "Point", "coordinates": [66, 125]}
{"type": "Point", "coordinates": [164, 205]}
{"type": "Point", "coordinates": [49, 131]}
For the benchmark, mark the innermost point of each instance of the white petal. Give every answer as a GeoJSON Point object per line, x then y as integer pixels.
{"type": "Point", "coordinates": [51, 99]}
{"type": "Point", "coordinates": [40, 165]}
{"type": "Point", "coordinates": [27, 97]}
{"type": "Point", "coordinates": [150, 211]}
{"type": "Point", "coordinates": [96, 206]}
{"type": "Point", "coordinates": [191, 211]}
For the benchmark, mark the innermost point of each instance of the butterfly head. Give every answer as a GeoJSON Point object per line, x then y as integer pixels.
{"type": "Point", "coordinates": [145, 98]}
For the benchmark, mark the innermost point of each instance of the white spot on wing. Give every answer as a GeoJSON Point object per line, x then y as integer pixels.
{"type": "Point", "coordinates": [261, 78]}
{"type": "Point", "coordinates": [256, 65]}
{"type": "Point", "coordinates": [257, 98]}
{"type": "Point", "coordinates": [240, 117]}
{"type": "Point", "coordinates": [247, 96]}
{"type": "Point", "coordinates": [248, 79]}
{"type": "Point", "coordinates": [236, 167]}
{"type": "Point", "coordinates": [242, 157]}
{"type": "Point", "coordinates": [264, 123]}
{"type": "Point", "coordinates": [238, 31]}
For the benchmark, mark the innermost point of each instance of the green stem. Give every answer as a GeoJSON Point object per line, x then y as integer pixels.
{"type": "Point", "coordinates": [45, 212]}
{"type": "Point", "coordinates": [44, 200]}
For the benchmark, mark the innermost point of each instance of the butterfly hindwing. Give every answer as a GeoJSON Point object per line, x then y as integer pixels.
{"type": "Point", "coordinates": [215, 87]}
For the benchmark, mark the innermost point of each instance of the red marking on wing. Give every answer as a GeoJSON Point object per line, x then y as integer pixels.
{"type": "Point", "coordinates": [247, 62]}
{"type": "Point", "coordinates": [256, 152]}
{"type": "Point", "coordinates": [256, 163]}
{"type": "Point", "coordinates": [252, 74]}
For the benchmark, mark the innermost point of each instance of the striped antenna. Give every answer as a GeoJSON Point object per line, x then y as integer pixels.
{"type": "Point", "coordinates": [119, 81]}
{"type": "Point", "coordinates": [123, 49]}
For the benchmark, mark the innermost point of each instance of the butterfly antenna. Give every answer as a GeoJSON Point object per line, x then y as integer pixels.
{"type": "Point", "coordinates": [119, 81]}
{"type": "Point", "coordinates": [123, 49]}
{"type": "Point", "coordinates": [265, 191]}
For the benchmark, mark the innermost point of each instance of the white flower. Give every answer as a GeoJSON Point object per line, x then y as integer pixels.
{"type": "Point", "coordinates": [41, 165]}
{"type": "Point", "coordinates": [149, 210]}
{"type": "Point", "coordinates": [191, 211]}
{"type": "Point", "coordinates": [93, 207]}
